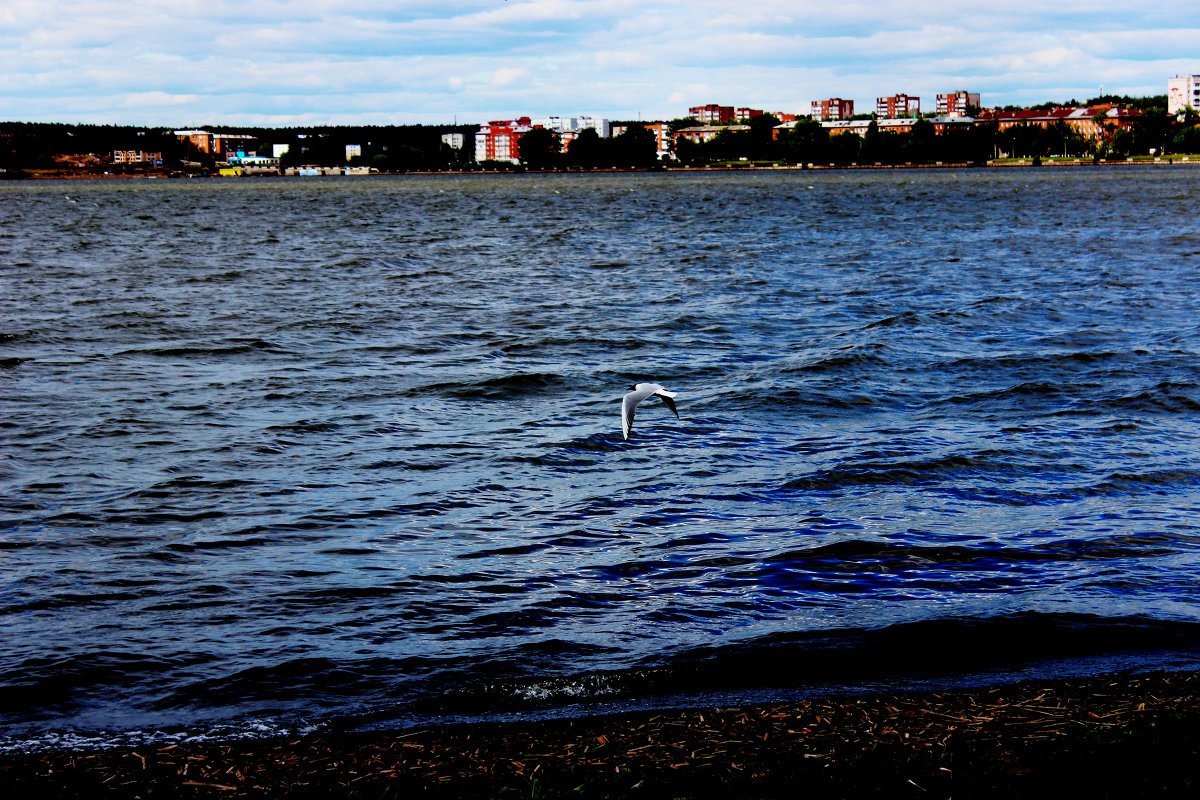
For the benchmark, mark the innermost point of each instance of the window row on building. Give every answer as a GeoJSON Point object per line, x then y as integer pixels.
{"type": "Point", "coordinates": [1090, 122]}
{"type": "Point", "coordinates": [897, 106]}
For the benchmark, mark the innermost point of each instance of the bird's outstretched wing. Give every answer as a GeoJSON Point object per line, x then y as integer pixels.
{"type": "Point", "coordinates": [670, 401]}
{"type": "Point", "coordinates": [627, 408]}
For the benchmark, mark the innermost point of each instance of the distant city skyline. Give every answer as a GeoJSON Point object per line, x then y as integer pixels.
{"type": "Point", "coordinates": [340, 62]}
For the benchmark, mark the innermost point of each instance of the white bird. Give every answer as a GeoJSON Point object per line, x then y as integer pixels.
{"type": "Point", "coordinates": [636, 395]}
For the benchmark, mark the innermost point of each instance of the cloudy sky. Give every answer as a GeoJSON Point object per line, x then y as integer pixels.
{"type": "Point", "coordinates": [192, 62]}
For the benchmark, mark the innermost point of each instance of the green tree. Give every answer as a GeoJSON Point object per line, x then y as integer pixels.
{"type": "Point", "coordinates": [635, 148]}
{"type": "Point", "coordinates": [921, 147]}
{"type": "Point", "coordinates": [540, 148]}
{"type": "Point", "coordinates": [1187, 140]}
{"type": "Point", "coordinates": [844, 148]}
{"type": "Point", "coordinates": [763, 145]}
{"type": "Point", "coordinates": [976, 143]}
{"type": "Point", "coordinates": [806, 143]}
{"type": "Point", "coordinates": [728, 145]}
{"type": "Point", "coordinates": [675, 125]}
{"type": "Point", "coordinates": [878, 147]}
{"type": "Point", "coordinates": [587, 150]}
{"type": "Point", "coordinates": [1022, 141]}
{"type": "Point", "coordinates": [688, 152]}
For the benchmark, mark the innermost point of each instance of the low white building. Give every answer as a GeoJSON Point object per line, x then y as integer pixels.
{"type": "Point", "coordinates": [252, 161]}
{"type": "Point", "coordinates": [706, 133]}
{"type": "Point", "coordinates": [1183, 92]}
{"type": "Point", "coordinates": [135, 157]}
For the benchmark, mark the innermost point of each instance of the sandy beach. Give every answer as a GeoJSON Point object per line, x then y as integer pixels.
{"type": "Point", "coordinates": [1114, 736]}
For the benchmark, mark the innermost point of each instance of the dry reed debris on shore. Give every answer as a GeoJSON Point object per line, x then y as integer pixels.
{"type": "Point", "coordinates": [1116, 736]}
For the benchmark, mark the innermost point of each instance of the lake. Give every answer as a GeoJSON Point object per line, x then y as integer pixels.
{"type": "Point", "coordinates": [287, 454]}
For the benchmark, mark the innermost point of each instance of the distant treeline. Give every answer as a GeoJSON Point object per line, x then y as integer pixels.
{"type": "Point", "coordinates": [398, 148]}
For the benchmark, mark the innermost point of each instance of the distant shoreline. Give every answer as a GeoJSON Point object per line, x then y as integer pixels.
{"type": "Point", "coordinates": [66, 174]}
{"type": "Point", "coordinates": [1117, 735]}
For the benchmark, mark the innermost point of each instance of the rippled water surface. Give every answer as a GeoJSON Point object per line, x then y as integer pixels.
{"type": "Point", "coordinates": [290, 452]}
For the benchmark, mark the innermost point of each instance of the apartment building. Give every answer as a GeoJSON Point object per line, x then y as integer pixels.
{"type": "Point", "coordinates": [898, 106]}
{"type": "Point", "coordinates": [713, 114]}
{"type": "Point", "coordinates": [203, 140]}
{"type": "Point", "coordinates": [225, 144]}
{"type": "Point", "coordinates": [835, 108]}
{"type": "Point", "coordinates": [955, 104]}
{"type": "Point", "coordinates": [497, 141]}
{"type": "Point", "coordinates": [661, 131]}
{"type": "Point", "coordinates": [1091, 122]}
{"type": "Point", "coordinates": [599, 124]}
{"type": "Point", "coordinates": [556, 123]}
{"type": "Point", "coordinates": [1183, 92]}
{"type": "Point", "coordinates": [662, 136]}
{"type": "Point", "coordinates": [218, 144]}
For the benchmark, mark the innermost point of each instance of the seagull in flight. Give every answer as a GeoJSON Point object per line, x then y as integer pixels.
{"type": "Point", "coordinates": [636, 395]}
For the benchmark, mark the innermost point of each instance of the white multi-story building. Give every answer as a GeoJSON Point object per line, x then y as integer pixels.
{"type": "Point", "coordinates": [353, 151]}
{"type": "Point", "coordinates": [1183, 92]}
{"type": "Point", "coordinates": [557, 124]}
{"type": "Point", "coordinates": [598, 124]}
{"type": "Point", "coordinates": [455, 140]}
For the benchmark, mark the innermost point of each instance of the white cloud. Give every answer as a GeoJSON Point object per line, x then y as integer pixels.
{"type": "Point", "coordinates": [360, 60]}
{"type": "Point", "coordinates": [509, 75]}
{"type": "Point", "coordinates": [157, 99]}
{"type": "Point", "coordinates": [623, 59]}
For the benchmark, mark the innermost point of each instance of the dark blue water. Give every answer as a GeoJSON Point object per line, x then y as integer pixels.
{"type": "Point", "coordinates": [290, 453]}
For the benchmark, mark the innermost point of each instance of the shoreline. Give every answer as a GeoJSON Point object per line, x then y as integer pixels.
{"type": "Point", "coordinates": [1165, 161]}
{"type": "Point", "coordinates": [1122, 735]}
